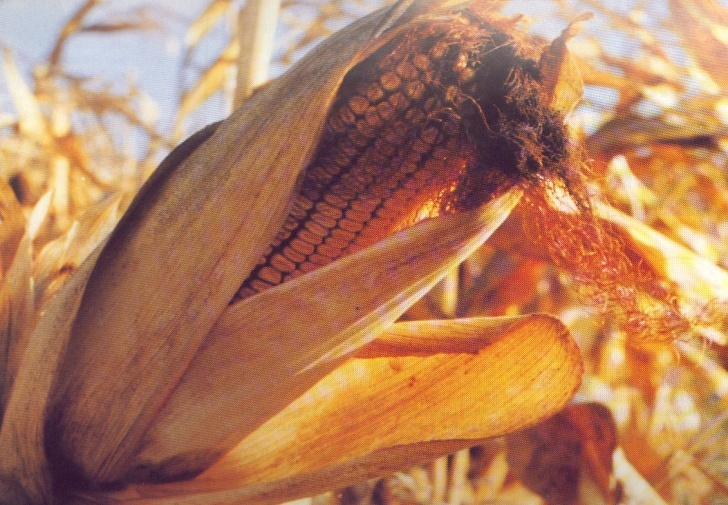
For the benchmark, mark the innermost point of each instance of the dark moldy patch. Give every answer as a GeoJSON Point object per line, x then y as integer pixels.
{"type": "Point", "coordinates": [446, 116]}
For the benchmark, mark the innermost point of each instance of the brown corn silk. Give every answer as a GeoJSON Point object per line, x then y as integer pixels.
{"type": "Point", "coordinates": [444, 117]}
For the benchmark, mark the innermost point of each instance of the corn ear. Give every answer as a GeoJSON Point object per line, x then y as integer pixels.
{"type": "Point", "coordinates": [182, 250]}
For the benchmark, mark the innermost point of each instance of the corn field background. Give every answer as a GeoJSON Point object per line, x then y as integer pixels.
{"type": "Point", "coordinates": [653, 119]}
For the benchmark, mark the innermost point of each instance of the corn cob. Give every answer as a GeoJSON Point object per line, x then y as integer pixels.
{"type": "Point", "coordinates": [444, 117]}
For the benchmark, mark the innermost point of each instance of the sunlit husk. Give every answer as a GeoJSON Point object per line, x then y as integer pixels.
{"type": "Point", "coordinates": [145, 321]}
{"type": "Point", "coordinates": [41, 305]}
{"type": "Point", "coordinates": [181, 252]}
{"type": "Point", "coordinates": [422, 389]}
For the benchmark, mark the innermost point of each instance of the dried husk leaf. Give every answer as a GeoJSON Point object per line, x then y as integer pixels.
{"type": "Point", "coordinates": [16, 311]}
{"type": "Point", "coordinates": [206, 21]}
{"type": "Point", "coordinates": [264, 350]}
{"type": "Point", "coordinates": [12, 226]}
{"type": "Point", "coordinates": [162, 282]}
{"type": "Point", "coordinates": [631, 131]}
{"type": "Point", "coordinates": [17, 307]}
{"type": "Point", "coordinates": [560, 76]}
{"type": "Point", "coordinates": [404, 11]}
{"type": "Point", "coordinates": [701, 24]}
{"type": "Point", "coordinates": [61, 257]}
{"type": "Point", "coordinates": [24, 471]}
{"type": "Point", "coordinates": [412, 395]}
{"type": "Point", "coordinates": [635, 488]}
{"type": "Point", "coordinates": [30, 117]}
{"type": "Point", "coordinates": [552, 457]}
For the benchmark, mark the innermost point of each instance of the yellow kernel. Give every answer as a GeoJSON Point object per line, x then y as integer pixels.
{"type": "Point", "coordinates": [390, 81]}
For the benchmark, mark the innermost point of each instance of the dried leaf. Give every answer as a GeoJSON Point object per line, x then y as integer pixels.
{"type": "Point", "coordinates": [206, 21]}
{"type": "Point", "coordinates": [407, 10]}
{"type": "Point", "coordinates": [560, 76]}
{"type": "Point", "coordinates": [16, 314]}
{"type": "Point", "coordinates": [630, 131]}
{"type": "Point", "coordinates": [635, 489]}
{"type": "Point", "coordinates": [24, 472]}
{"type": "Point", "coordinates": [12, 225]}
{"type": "Point", "coordinates": [702, 25]}
{"type": "Point", "coordinates": [138, 19]}
{"type": "Point", "coordinates": [72, 26]}
{"type": "Point", "coordinates": [61, 257]}
{"type": "Point", "coordinates": [17, 307]}
{"type": "Point", "coordinates": [374, 415]}
{"type": "Point", "coordinates": [550, 457]}
{"type": "Point", "coordinates": [30, 117]}
{"type": "Point", "coordinates": [209, 83]}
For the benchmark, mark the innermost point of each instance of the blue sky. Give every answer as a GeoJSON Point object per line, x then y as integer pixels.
{"type": "Point", "coordinates": [30, 28]}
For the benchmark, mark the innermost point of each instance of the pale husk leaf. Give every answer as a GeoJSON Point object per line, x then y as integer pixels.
{"type": "Point", "coordinates": [12, 225]}
{"type": "Point", "coordinates": [24, 472]}
{"type": "Point", "coordinates": [17, 305]}
{"type": "Point", "coordinates": [68, 251]}
{"type": "Point", "coordinates": [182, 251]}
{"type": "Point", "coordinates": [560, 76]}
{"type": "Point", "coordinates": [30, 117]}
{"type": "Point", "coordinates": [636, 489]}
{"type": "Point", "coordinates": [268, 349]}
{"type": "Point", "coordinates": [257, 23]}
{"type": "Point", "coordinates": [421, 390]}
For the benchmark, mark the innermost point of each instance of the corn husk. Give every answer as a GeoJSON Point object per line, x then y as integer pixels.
{"type": "Point", "coordinates": [406, 397]}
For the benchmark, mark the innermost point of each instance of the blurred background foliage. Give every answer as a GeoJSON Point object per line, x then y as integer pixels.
{"type": "Point", "coordinates": [654, 122]}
